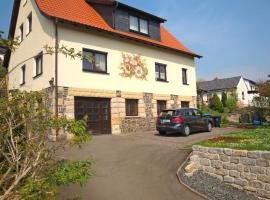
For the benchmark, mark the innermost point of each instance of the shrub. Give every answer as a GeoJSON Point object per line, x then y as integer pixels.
{"type": "Point", "coordinates": [224, 99]}
{"type": "Point", "coordinates": [232, 105]}
{"type": "Point", "coordinates": [216, 104]}
{"type": "Point", "coordinates": [29, 167]}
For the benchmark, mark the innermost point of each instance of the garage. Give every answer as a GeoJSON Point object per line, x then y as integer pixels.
{"type": "Point", "coordinates": [98, 111]}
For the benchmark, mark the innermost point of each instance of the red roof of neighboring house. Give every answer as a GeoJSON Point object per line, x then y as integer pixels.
{"type": "Point", "coordinates": [79, 11]}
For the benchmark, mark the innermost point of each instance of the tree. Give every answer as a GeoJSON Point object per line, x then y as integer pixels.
{"type": "Point", "coordinates": [224, 99]}
{"type": "Point", "coordinates": [261, 103]}
{"type": "Point", "coordinates": [231, 104]}
{"type": "Point", "coordinates": [29, 166]}
{"type": "Point", "coordinates": [216, 104]}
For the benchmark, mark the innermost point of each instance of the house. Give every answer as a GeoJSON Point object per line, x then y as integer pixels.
{"type": "Point", "coordinates": [244, 90]}
{"type": "Point", "coordinates": [2, 50]}
{"type": "Point", "coordinates": [137, 67]}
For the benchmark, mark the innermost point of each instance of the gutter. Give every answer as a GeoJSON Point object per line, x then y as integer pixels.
{"type": "Point", "coordinates": [56, 67]}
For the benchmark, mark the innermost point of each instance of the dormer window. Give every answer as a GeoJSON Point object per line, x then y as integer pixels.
{"type": "Point", "coordinates": [138, 25]}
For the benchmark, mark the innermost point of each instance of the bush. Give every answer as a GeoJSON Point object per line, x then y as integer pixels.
{"type": "Point", "coordinates": [216, 104]}
{"type": "Point", "coordinates": [224, 99]}
{"type": "Point", "coordinates": [232, 105]}
{"type": "Point", "coordinates": [29, 167]}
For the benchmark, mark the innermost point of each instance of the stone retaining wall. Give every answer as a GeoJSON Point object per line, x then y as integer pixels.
{"type": "Point", "coordinates": [246, 170]}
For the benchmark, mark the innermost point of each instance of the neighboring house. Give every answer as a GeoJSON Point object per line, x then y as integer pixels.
{"type": "Point", "coordinates": [235, 87]}
{"type": "Point", "coordinates": [138, 67]}
{"type": "Point", "coordinates": [2, 53]}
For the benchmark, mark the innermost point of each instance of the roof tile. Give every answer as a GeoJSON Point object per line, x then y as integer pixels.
{"type": "Point", "coordinates": [79, 11]}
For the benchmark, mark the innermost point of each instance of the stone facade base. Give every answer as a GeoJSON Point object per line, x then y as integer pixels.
{"type": "Point", "coordinates": [120, 123]}
{"type": "Point", "coordinates": [245, 170]}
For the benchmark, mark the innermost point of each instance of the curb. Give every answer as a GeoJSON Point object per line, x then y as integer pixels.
{"type": "Point", "coordinates": [182, 183]}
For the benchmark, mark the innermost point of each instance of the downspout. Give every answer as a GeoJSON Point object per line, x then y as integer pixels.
{"type": "Point", "coordinates": [56, 68]}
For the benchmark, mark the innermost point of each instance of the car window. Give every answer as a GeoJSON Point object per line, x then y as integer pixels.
{"type": "Point", "coordinates": [168, 113]}
{"type": "Point", "coordinates": [189, 113]}
{"type": "Point", "coordinates": [196, 113]}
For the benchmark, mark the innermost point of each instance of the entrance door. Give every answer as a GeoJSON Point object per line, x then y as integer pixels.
{"type": "Point", "coordinates": [184, 104]}
{"type": "Point", "coordinates": [98, 112]}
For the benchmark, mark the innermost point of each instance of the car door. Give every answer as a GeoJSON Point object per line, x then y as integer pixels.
{"type": "Point", "coordinates": [191, 120]}
{"type": "Point", "coordinates": [200, 122]}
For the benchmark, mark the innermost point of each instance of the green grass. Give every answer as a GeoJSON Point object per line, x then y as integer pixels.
{"type": "Point", "coordinates": [256, 139]}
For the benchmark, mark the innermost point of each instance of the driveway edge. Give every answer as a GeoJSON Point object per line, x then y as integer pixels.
{"type": "Point", "coordinates": [182, 183]}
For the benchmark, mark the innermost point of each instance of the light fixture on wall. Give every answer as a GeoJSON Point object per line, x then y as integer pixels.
{"type": "Point", "coordinates": [51, 82]}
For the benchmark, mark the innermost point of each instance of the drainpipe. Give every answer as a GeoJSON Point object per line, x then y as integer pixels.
{"type": "Point", "coordinates": [56, 68]}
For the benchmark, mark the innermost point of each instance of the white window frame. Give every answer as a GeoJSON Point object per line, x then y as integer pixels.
{"type": "Point", "coordinates": [28, 27]}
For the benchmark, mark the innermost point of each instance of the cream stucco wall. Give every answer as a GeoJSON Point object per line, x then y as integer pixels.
{"type": "Point", "coordinates": [242, 87]}
{"type": "Point", "coordinates": [71, 74]}
{"type": "Point", "coordinates": [33, 43]}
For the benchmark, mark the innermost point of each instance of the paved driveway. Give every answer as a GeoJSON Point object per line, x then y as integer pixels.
{"type": "Point", "coordinates": [140, 166]}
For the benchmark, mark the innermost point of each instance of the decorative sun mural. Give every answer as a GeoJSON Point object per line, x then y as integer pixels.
{"type": "Point", "coordinates": [133, 66]}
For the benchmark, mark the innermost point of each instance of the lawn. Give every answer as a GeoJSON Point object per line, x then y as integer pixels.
{"type": "Point", "coordinates": [255, 139]}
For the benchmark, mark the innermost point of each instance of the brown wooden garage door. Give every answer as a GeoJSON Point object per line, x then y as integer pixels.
{"type": "Point", "coordinates": [98, 111]}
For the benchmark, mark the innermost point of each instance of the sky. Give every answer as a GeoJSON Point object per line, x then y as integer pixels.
{"type": "Point", "coordinates": [233, 36]}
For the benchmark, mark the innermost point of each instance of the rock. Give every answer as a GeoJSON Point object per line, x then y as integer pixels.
{"type": "Point", "coordinates": [248, 161]}
{"type": "Point", "coordinates": [254, 154]}
{"type": "Point", "coordinates": [228, 179]}
{"type": "Point", "coordinates": [224, 158]}
{"type": "Point", "coordinates": [240, 153]}
{"type": "Point", "coordinates": [191, 168]}
{"type": "Point", "coordinates": [264, 194]}
{"type": "Point", "coordinates": [227, 152]}
{"type": "Point", "coordinates": [264, 178]}
{"type": "Point", "coordinates": [234, 160]}
{"type": "Point", "coordinates": [262, 162]}
{"type": "Point", "coordinates": [215, 150]}
{"type": "Point", "coordinates": [248, 176]}
{"type": "Point", "coordinates": [216, 164]}
{"type": "Point", "coordinates": [240, 182]}
{"type": "Point", "coordinates": [257, 170]}
{"type": "Point", "coordinates": [256, 184]}
{"type": "Point", "coordinates": [229, 166]}
{"type": "Point", "coordinates": [234, 173]}
{"type": "Point", "coordinates": [205, 162]}
{"type": "Point", "coordinates": [266, 155]}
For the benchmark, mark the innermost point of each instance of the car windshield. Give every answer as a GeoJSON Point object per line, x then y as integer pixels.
{"type": "Point", "coordinates": [168, 113]}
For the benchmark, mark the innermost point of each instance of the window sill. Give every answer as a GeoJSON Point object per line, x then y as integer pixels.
{"type": "Point", "coordinates": [186, 84]}
{"type": "Point", "coordinates": [37, 76]}
{"type": "Point", "coordinates": [138, 32]}
{"type": "Point", "coordinates": [96, 72]}
{"type": "Point", "coordinates": [22, 84]}
{"type": "Point", "coordinates": [132, 117]}
{"type": "Point", "coordinates": [160, 80]}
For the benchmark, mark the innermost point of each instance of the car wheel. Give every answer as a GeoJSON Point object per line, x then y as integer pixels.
{"type": "Point", "coordinates": [209, 127]}
{"type": "Point", "coordinates": [186, 130]}
{"type": "Point", "coordinates": [162, 133]}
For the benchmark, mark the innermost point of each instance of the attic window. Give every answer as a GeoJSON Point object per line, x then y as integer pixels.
{"type": "Point", "coordinates": [138, 25]}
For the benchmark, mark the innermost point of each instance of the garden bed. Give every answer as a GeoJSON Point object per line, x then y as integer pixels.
{"type": "Point", "coordinates": [255, 139]}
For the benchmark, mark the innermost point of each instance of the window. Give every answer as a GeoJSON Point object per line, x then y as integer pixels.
{"type": "Point", "coordinates": [161, 72]}
{"type": "Point", "coordinates": [138, 24]}
{"type": "Point", "coordinates": [197, 113]}
{"type": "Point", "coordinates": [184, 104]}
{"type": "Point", "coordinates": [38, 67]}
{"type": "Point", "coordinates": [23, 75]}
{"type": "Point", "coordinates": [134, 23]}
{"type": "Point", "coordinates": [144, 26]}
{"type": "Point", "coordinates": [29, 24]}
{"type": "Point", "coordinates": [94, 61]}
{"type": "Point", "coordinates": [243, 95]}
{"type": "Point", "coordinates": [184, 76]}
{"type": "Point", "coordinates": [21, 33]}
{"type": "Point", "coordinates": [131, 107]}
{"type": "Point", "coordinates": [161, 105]}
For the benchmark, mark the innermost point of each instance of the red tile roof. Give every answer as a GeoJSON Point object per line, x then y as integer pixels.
{"type": "Point", "coordinates": [79, 11]}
